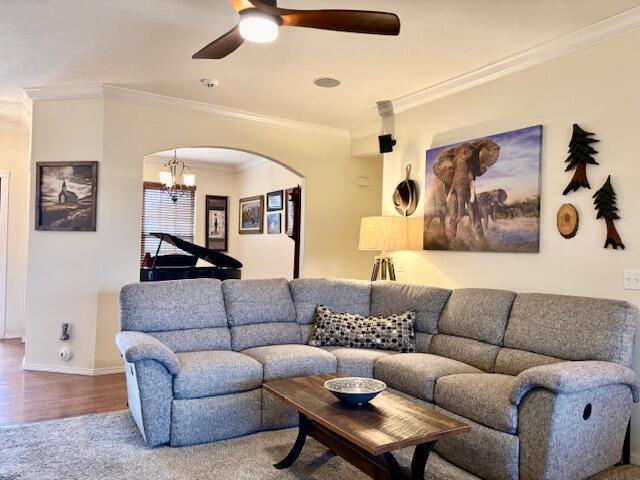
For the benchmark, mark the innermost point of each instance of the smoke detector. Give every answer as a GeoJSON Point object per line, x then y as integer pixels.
{"type": "Point", "coordinates": [209, 82]}
{"type": "Point", "coordinates": [326, 82]}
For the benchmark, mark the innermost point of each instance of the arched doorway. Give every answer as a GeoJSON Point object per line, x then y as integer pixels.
{"type": "Point", "coordinates": [242, 204]}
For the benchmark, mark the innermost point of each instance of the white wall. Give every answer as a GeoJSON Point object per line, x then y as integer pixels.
{"type": "Point", "coordinates": [14, 157]}
{"type": "Point", "coordinates": [266, 255]}
{"type": "Point", "coordinates": [597, 88]}
{"type": "Point", "coordinates": [77, 277]}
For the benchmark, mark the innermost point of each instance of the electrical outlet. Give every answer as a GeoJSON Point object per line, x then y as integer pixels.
{"type": "Point", "coordinates": [632, 279]}
{"type": "Point", "coordinates": [398, 264]}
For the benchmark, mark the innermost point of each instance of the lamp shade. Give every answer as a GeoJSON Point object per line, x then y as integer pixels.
{"type": "Point", "coordinates": [383, 233]}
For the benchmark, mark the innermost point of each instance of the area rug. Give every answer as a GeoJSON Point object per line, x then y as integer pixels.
{"type": "Point", "coordinates": [107, 446]}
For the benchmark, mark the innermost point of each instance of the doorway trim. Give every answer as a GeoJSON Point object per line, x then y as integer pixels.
{"type": "Point", "coordinates": [5, 176]}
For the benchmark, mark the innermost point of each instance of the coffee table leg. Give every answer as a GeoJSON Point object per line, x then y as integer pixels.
{"type": "Point", "coordinates": [419, 462]}
{"type": "Point", "coordinates": [292, 456]}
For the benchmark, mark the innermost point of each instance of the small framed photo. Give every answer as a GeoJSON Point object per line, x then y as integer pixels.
{"type": "Point", "coordinates": [216, 209]}
{"type": "Point", "coordinates": [274, 223]}
{"type": "Point", "coordinates": [66, 196]}
{"type": "Point", "coordinates": [251, 215]}
{"type": "Point", "coordinates": [275, 201]}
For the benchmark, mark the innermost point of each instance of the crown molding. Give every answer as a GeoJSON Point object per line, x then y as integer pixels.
{"type": "Point", "coordinates": [219, 110]}
{"type": "Point", "coordinates": [582, 38]}
{"type": "Point", "coordinates": [64, 92]}
{"type": "Point", "coordinates": [161, 161]}
{"type": "Point", "coordinates": [577, 40]}
{"type": "Point", "coordinates": [97, 91]}
{"type": "Point", "coordinates": [366, 131]}
{"type": "Point", "coordinates": [251, 163]}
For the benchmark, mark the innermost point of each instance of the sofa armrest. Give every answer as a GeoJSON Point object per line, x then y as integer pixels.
{"type": "Point", "coordinates": [137, 346]}
{"type": "Point", "coordinates": [572, 377]}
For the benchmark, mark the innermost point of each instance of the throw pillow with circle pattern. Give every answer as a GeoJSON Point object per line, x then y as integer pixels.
{"type": "Point", "coordinates": [395, 332]}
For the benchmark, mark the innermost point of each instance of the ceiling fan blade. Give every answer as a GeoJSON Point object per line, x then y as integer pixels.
{"type": "Point", "coordinates": [241, 4]}
{"type": "Point", "coordinates": [223, 46]}
{"type": "Point", "coordinates": [357, 21]}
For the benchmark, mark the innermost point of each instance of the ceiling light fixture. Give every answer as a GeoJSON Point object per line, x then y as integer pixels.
{"type": "Point", "coordinates": [258, 26]}
{"type": "Point", "coordinates": [326, 82]}
{"type": "Point", "coordinates": [170, 176]}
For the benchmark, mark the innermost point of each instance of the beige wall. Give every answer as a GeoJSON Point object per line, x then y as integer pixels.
{"type": "Point", "coordinates": [76, 277]}
{"type": "Point", "coordinates": [266, 255]}
{"type": "Point", "coordinates": [263, 256]}
{"type": "Point", "coordinates": [598, 88]}
{"type": "Point", "coordinates": [65, 269]}
{"type": "Point", "coordinates": [14, 157]}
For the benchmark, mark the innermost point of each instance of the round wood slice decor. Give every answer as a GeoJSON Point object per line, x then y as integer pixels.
{"type": "Point", "coordinates": [568, 220]}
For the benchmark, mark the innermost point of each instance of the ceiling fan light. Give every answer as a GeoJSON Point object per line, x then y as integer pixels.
{"type": "Point", "coordinates": [257, 27]}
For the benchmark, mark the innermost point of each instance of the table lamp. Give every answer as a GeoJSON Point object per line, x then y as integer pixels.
{"type": "Point", "coordinates": [383, 234]}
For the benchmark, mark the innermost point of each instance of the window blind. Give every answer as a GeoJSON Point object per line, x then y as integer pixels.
{"type": "Point", "coordinates": [161, 214]}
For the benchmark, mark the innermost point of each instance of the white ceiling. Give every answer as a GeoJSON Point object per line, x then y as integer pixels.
{"type": "Point", "coordinates": [147, 45]}
{"type": "Point", "coordinates": [218, 156]}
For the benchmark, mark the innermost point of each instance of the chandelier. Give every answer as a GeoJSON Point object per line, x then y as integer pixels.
{"type": "Point", "coordinates": [174, 170]}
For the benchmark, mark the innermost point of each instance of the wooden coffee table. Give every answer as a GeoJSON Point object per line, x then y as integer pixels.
{"type": "Point", "coordinates": [365, 436]}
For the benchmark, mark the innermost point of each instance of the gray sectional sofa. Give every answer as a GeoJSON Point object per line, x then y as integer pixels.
{"type": "Point", "coordinates": [544, 380]}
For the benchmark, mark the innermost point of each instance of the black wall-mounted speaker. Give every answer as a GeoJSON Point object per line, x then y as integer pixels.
{"type": "Point", "coordinates": [387, 143]}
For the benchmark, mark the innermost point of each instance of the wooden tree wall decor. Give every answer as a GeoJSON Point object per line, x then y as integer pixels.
{"type": "Point", "coordinates": [605, 203]}
{"type": "Point", "coordinates": [580, 154]}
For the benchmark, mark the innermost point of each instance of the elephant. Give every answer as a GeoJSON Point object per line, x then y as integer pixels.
{"type": "Point", "coordinates": [457, 169]}
{"type": "Point", "coordinates": [489, 203]}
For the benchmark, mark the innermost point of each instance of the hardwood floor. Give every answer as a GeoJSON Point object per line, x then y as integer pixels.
{"type": "Point", "coordinates": [34, 396]}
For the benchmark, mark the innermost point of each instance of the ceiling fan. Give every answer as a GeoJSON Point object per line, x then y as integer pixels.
{"type": "Point", "coordinates": [260, 20]}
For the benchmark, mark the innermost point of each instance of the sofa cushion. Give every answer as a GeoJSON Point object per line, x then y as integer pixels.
{"type": "Point", "coordinates": [282, 361]}
{"type": "Point", "coordinates": [356, 362]}
{"type": "Point", "coordinates": [258, 301]}
{"type": "Point", "coordinates": [203, 374]}
{"type": "Point", "coordinates": [260, 334]}
{"type": "Point", "coordinates": [466, 350]}
{"type": "Point", "coordinates": [482, 397]}
{"type": "Point", "coordinates": [349, 296]}
{"type": "Point", "coordinates": [395, 332]}
{"type": "Point", "coordinates": [477, 313]}
{"type": "Point", "coordinates": [195, 339]}
{"type": "Point", "coordinates": [388, 298]}
{"type": "Point", "coordinates": [172, 305]}
{"type": "Point", "coordinates": [416, 373]}
{"type": "Point", "coordinates": [514, 362]}
{"type": "Point", "coordinates": [573, 328]}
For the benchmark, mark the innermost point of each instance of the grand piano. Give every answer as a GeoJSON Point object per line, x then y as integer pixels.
{"type": "Point", "coordinates": [181, 266]}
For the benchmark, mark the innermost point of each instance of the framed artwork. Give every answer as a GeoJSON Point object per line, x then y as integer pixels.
{"type": "Point", "coordinates": [274, 201]}
{"type": "Point", "coordinates": [66, 196]}
{"type": "Point", "coordinates": [291, 200]}
{"type": "Point", "coordinates": [484, 194]}
{"type": "Point", "coordinates": [274, 223]}
{"type": "Point", "coordinates": [216, 223]}
{"type": "Point", "coordinates": [251, 215]}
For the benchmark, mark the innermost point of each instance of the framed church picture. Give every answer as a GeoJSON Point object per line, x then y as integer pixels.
{"type": "Point", "coordinates": [216, 222]}
{"type": "Point", "coordinates": [66, 196]}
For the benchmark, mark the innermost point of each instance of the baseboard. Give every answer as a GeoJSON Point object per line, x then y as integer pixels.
{"type": "Point", "coordinates": [41, 367]}
{"type": "Point", "coordinates": [12, 335]}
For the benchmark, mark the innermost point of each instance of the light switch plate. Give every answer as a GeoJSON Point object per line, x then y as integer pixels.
{"type": "Point", "coordinates": [632, 279]}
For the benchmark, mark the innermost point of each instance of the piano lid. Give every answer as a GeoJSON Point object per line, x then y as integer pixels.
{"type": "Point", "coordinates": [218, 259]}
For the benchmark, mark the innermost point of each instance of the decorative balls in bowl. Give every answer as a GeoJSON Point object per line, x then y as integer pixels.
{"type": "Point", "coordinates": [355, 390]}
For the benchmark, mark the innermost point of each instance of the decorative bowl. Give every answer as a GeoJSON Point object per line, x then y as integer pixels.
{"type": "Point", "coordinates": [355, 390]}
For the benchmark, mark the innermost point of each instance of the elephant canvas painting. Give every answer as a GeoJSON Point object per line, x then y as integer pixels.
{"type": "Point", "coordinates": [484, 194]}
